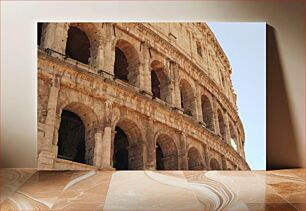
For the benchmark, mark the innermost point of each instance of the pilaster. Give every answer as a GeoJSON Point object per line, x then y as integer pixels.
{"type": "Point", "coordinates": [227, 128]}
{"type": "Point", "coordinates": [47, 150]}
{"type": "Point", "coordinates": [223, 161]}
{"type": "Point", "coordinates": [206, 158]}
{"type": "Point", "coordinates": [106, 148]}
{"type": "Point", "coordinates": [151, 147]}
{"type": "Point", "coordinates": [215, 116]}
{"type": "Point", "coordinates": [176, 95]}
{"type": "Point", "coordinates": [145, 69]}
{"type": "Point", "coordinates": [109, 50]}
{"type": "Point", "coordinates": [183, 160]}
{"type": "Point", "coordinates": [55, 37]}
{"type": "Point", "coordinates": [199, 114]}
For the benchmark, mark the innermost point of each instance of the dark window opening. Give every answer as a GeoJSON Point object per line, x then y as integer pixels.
{"type": "Point", "coordinates": [159, 158]}
{"type": "Point", "coordinates": [166, 153]}
{"type": "Point", "coordinates": [155, 84]}
{"type": "Point", "coordinates": [121, 154]}
{"type": "Point", "coordinates": [39, 33]}
{"type": "Point", "coordinates": [207, 112]}
{"type": "Point", "coordinates": [186, 110]}
{"type": "Point", "coordinates": [182, 101]}
{"type": "Point", "coordinates": [121, 65]}
{"type": "Point", "coordinates": [221, 125]}
{"type": "Point", "coordinates": [126, 65]}
{"type": "Point", "coordinates": [194, 160]}
{"type": "Point", "coordinates": [71, 137]}
{"type": "Point", "coordinates": [214, 164]}
{"type": "Point", "coordinates": [78, 45]}
{"type": "Point", "coordinates": [187, 98]}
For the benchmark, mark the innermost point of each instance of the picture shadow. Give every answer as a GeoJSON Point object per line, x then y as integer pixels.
{"type": "Point", "coordinates": [281, 142]}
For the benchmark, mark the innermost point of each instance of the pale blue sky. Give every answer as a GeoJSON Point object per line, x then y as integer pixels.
{"type": "Point", "coordinates": [245, 46]}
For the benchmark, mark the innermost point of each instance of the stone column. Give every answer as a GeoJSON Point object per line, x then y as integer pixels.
{"type": "Point", "coordinates": [215, 116]}
{"type": "Point", "coordinates": [106, 148]}
{"type": "Point", "coordinates": [206, 158]}
{"type": "Point", "coordinates": [55, 37]}
{"type": "Point", "coordinates": [199, 114]}
{"type": "Point", "coordinates": [183, 157]}
{"type": "Point", "coordinates": [227, 128]}
{"type": "Point", "coordinates": [109, 50]}
{"type": "Point", "coordinates": [151, 146]}
{"type": "Point", "coordinates": [145, 69]}
{"type": "Point", "coordinates": [223, 160]}
{"type": "Point", "coordinates": [97, 160]}
{"type": "Point", "coordinates": [176, 95]}
{"type": "Point", "coordinates": [98, 60]}
{"type": "Point", "coordinates": [47, 151]}
{"type": "Point", "coordinates": [171, 99]}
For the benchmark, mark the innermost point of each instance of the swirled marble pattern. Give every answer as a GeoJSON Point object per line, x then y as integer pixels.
{"type": "Point", "coordinates": [28, 189]}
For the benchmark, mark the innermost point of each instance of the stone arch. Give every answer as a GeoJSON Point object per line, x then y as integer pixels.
{"type": "Point", "coordinates": [87, 119]}
{"type": "Point", "coordinates": [159, 81]}
{"type": "Point", "coordinates": [83, 42]}
{"type": "Point", "coordinates": [127, 62]}
{"type": "Point", "coordinates": [188, 103]}
{"type": "Point", "coordinates": [221, 125]}
{"type": "Point", "coordinates": [129, 131]}
{"type": "Point", "coordinates": [194, 159]}
{"type": "Point", "coordinates": [207, 112]}
{"type": "Point", "coordinates": [166, 153]}
{"type": "Point", "coordinates": [214, 164]}
{"type": "Point", "coordinates": [233, 137]}
{"type": "Point", "coordinates": [78, 45]}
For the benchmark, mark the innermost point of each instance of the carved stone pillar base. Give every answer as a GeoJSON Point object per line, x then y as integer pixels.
{"type": "Point", "coordinates": [47, 157]}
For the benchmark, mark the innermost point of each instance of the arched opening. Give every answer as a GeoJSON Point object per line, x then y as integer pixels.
{"type": "Point", "coordinates": [121, 65]}
{"type": "Point", "coordinates": [127, 147]}
{"type": "Point", "coordinates": [71, 139]}
{"type": "Point", "coordinates": [159, 158]}
{"type": "Point", "coordinates": [71, 132]}
{"type": "Point", "coordinates": [78, 45]}
{"type": "Point", "coordinates": [187, 98]}
{"type": "Point", "coordinates": [121, 154]}
{"type": "Point", "coordinates": [233, 137]}
{"type": "Point", "coordinates": [166, 153]}
{"type": "Point", "coordinates": [39, 33]}
{"type": "Point", "coordinates": [194, 159]}
{"type": "Point", "coordinates": [126, 65]}
{"type": "Point", "coordinates": [214, 164]}
{"type": "Point", "coordinates": [207, 112]}
{"type": "Point", "coordinates": [221, 125]}
{"type": "Point", "coordinates": [155, 84]}
{"type": "Point", "coordinates": [159, 81]}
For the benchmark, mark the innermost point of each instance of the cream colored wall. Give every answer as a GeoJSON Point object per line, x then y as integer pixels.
{"type": "Point", "coordinates": [286, 134]}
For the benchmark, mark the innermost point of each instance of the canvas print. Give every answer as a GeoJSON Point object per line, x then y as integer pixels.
{"type": "Point", "coordinates": [137, 96]}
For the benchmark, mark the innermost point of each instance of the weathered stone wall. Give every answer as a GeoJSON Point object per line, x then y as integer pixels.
{"type": "Point", "coordinates": [190, 66]}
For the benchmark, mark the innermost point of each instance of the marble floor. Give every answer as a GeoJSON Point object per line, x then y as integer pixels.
{"type": "Point", "coordinates": [28, 189]}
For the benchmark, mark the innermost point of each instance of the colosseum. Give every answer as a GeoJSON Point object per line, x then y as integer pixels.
{"type": "Point", "coordinates": [136, 96]}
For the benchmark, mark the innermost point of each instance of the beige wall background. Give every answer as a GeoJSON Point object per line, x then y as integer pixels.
{"type": "Point", "coordinates": [285, 64]}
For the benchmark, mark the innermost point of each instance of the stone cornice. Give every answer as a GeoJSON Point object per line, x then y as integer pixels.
{"type": "Point", "coordinates": [217, 47]}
